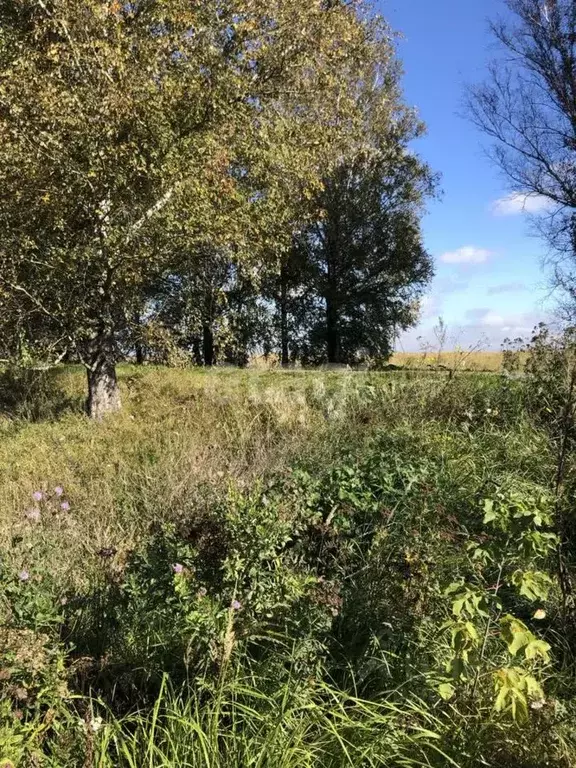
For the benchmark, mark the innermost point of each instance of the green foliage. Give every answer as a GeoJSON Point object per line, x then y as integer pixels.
{"type": "Point", "coordinates": [364, 263]}
{"type": "Point", "coordinates": [286, 569]}
{"type": "Point", "coordinates": [139, 137]}
{"type": "Point", "coordinates": [516, 545]}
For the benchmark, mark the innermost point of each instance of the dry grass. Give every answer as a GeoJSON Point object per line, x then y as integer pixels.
{"type": "Point", "coordinates": [183, 437]}
{"type": "Point", "coordinates": [456, 359]}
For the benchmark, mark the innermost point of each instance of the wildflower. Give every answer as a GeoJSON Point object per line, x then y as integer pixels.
{"type": "Point", "coordinates": [235, 605]}
{"type": "Point", "coordinates": [540, 614]}
{"type": "Point", "coordinates": [58, 490]}
{"type": "Point", "coordinates": [202, 592]}
{"type": "Point", "coordinates": [178, 568]}
{"type": "Point", "coordinates": [537, 704]}
{"type": "Point", "coordinates": [65, 506]}
{"type": "Point", "coordinates": [96, 724]}
{"type": "Point", "coordinates": [37, 495]}
{"type": "Point", "coordinates": [33, 514]}
{"type": "Point", "coordinates": [24, 575]}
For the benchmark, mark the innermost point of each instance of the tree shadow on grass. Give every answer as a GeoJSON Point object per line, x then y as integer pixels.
{"type": "Point", "coordinates": [33, 395]}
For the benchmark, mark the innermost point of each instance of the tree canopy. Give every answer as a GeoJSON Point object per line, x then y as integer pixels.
{"type": "Point", "coordinates": [139, 137]}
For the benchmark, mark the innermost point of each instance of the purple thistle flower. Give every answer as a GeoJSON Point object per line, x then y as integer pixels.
{"type": "Point", "coordinates": [235, 605]}
{"type": "Point", "coordinates": [58, 490]}
{"type": "Point", "coordinates": [177, 567]}
{"type": "Point", "coordinates": [65, 506]}
{"type": "Point", "coordinates": [33, 514]}
{"type": "Point", "coordinates": [37, 495]}
{"type": "Point", "coordinates": [23, 575]}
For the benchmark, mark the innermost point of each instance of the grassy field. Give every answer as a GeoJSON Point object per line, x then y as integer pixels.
{"type": "Point", "coordinates": [267, 568]}
{"type": "Point", "coordinates": [456, 359]}
{"type": "Point", "coordinates": [453, 359]}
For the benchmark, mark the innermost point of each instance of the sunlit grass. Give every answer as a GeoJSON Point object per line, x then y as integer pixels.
{"type": "Point", "coordinates": [194, 442]}
{"type": "Point", "coordinates": [459, 360]}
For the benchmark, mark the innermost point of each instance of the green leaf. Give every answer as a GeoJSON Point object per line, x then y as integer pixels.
{"type": "Point", "coordinates": [458, 605]}
{"type": "Point", "coordinates": [489, 513]}
{"type": "Point", "coordinates": [521, 639]}
{"type": "Point", "coordinates": [446, 691]}
{"type": "Point", "coordinates": [500, 703]}
{"type": "Point", "coordinates": [537, 649]}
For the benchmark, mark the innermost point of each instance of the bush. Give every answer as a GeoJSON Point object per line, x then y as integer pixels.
{"type": "Point", "coordinates": [385, 594]}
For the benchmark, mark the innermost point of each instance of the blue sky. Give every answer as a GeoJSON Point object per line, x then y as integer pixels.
{"type": "Point", "coordinates": [489, 281]}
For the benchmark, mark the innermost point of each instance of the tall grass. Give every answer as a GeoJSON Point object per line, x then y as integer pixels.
{"type": "Point", "coordinates": [334, 508]}
{"type": "Point", "coordinates": [243, 725]}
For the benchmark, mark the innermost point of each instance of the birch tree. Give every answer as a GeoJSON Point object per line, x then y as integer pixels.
{"type": "Point", "coordinates": [130, 130]}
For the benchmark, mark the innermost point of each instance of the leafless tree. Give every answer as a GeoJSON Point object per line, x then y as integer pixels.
{"type": "Point", "coordinates": [528, 108]}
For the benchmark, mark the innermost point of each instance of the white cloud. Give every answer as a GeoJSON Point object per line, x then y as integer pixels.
{"type": "Point", "coordinates": [468, 254]}
{"type": "Point", "coordinates": [518, 202]}
{"type": "Point", "coordinates": [488, 319]}
{"type": "Point", "coordinates": [493, 320]}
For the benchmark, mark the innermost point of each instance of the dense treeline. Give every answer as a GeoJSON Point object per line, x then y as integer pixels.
{"type": "Point", "coordinates": [207, 178]}
{"type": "Point", "coordinates": [337, 294]}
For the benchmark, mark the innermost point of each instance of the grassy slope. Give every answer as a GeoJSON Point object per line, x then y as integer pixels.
{"type": "Point", "coordinates": [185, 436]}
{"type": "Point", "coordinates": [182, 435]}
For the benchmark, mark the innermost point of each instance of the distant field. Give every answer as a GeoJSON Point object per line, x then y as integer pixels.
{"type": "Point", "coordinates": [455, 359]}
{"type": "Point", "coordinates": [460, 360]}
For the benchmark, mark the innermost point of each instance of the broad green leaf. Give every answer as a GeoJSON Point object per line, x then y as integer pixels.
{"type": "Point", "coordinates": [446, 691]}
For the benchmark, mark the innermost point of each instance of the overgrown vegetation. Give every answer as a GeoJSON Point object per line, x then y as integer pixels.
{"type": "Point", "coordinates": [296, 569]}
{"type": "Point", "coordinates": [258, 568]}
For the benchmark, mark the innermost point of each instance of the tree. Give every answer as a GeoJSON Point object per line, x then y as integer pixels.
{"type": "Point", "coordinates": [133, 131]}
{"type": "Point", "coordinates": [211, 308]}
{"type": "Point", "coordinates": [366, 252]}
{"type": "Point", "coordinates": [192, 302]}
{"type": "Point", "coordinates": [528, 107]}
{"type": "Point", "coordinates": [288, 291]}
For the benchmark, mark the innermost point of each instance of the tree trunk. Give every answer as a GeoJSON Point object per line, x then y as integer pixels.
{"type": "Point", "coordinates": [196, 351]}
{"type": "Point", "coordinates": [332, 340]}
{"type": "Point", "coordinates": [103, 391]}
{"type": "Point", "coordinates": [139, 347]}
{"type": "Point", "coordinates": [285, 357]}
{"type": "Point", "coordinates": [208, 344]}
{"type": "Point", "coordinates": [332, 304]}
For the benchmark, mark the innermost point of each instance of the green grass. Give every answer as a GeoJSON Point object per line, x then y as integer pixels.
{"type": "Point", "coordinates": [242, 725]}
{"type": "Point", "coordinates": [334, 508]}
{"type": "Point", "coordinates": [184, 436]}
